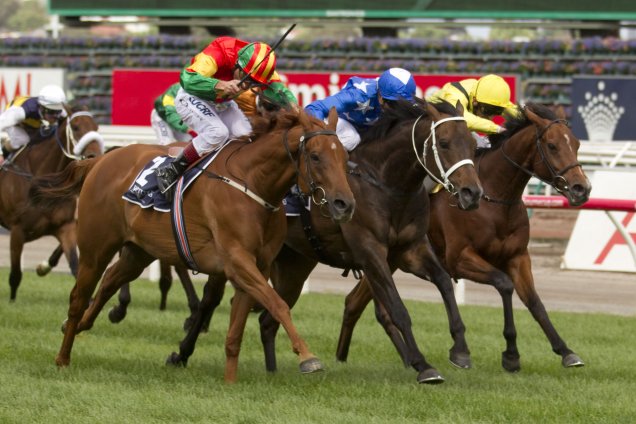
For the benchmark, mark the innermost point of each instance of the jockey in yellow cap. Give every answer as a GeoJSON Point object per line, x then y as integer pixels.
{"type": "Point", "coordinates": [482, 99]}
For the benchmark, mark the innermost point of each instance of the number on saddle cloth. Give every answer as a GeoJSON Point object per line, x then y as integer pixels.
{"type": "Point", "coordinates": [144, 191]}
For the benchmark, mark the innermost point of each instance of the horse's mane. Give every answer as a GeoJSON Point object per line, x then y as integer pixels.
{"type": "Point", "coordinates": [401, 111]}
{"type": "Point", "coordinates": [516, 123]}
{"type": "Point", "coordinates": [280, 121]}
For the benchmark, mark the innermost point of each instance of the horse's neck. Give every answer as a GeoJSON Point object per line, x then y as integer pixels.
{"type": "Point", "coordinates": [502, 179]}
{"type": "Point", "coordinates": [46, 157]}
{"type": "Point", "coordinates": [265, 167]}
{"type": "Point", "coordinates": [392, 161]}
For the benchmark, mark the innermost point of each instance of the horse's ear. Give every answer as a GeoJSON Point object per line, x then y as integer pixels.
{"type": "Point", "coordinates": [534, 118]}
{"type": "Point", "coordinates": [560, 112]}
{"type": "Point", "coordinates": [460, 108]}
{"type": "Point", "coordinates": [304, 120]}
{"type": "Point", "coordinates": [332, 119]}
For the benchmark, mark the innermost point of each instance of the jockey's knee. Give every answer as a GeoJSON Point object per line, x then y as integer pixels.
{"type": "Point", "coordinates": [210, 138]}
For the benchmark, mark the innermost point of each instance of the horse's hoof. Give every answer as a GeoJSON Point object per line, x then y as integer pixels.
{"type": "Point", "coordinates": [311, 365]}
{"type": "Point", "coordinates": [430, 376]}
{"type": "Point", "coordinates": [175, 360]}
{"type": "Point", "coordinates": [460, 360]}
{"type": "Point", "coordinates": [115, 315]}
{"type": "Point", "coordinates": [572, 361]}
{"type": "Point", "coordinates": [510, 363]}
{"type": "Point", "coordinates": [43, 269]}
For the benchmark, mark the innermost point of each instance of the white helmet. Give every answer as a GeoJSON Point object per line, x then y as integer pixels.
{"type": "Point", "coordinates": [52, 97]}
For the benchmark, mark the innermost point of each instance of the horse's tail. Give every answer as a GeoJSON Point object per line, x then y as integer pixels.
{"type": "Point", "coordinates": [52, 189]}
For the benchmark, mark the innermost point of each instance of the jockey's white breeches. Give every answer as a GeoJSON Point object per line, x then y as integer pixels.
{"type": "Point", "coordinates": [214, 123]}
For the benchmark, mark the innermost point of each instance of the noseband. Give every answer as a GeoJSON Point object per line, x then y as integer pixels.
{"type": "Point", "coordinates": [316, 193]}
{"type": "Point", "coordinates": [558, 181]}
{"type": "Point", "coordinates": [444, 174]}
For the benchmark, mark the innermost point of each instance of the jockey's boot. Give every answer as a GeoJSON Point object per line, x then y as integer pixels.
{"type": "Point", "coordinates": [168, 174]}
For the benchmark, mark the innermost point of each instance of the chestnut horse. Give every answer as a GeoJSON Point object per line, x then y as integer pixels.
{"type": "Point", "coordinates": [233, 233]}
{"type": "Point", "coordinates": [490, 245]}
{"type": "Point", "coordinates": [388, 230]}
{"type": "Point", "coordinates": [49, 151]}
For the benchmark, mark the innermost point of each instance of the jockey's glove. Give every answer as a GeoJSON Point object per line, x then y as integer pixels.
{"type": "Point", "coordinates": [4, 136]}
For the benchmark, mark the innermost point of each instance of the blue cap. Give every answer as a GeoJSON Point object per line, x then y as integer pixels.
{"type": "Point", "coordinates": [395, 83]}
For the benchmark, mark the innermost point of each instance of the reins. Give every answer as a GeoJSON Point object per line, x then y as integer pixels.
{"type": "Point", "coordinates": [303, 152]}
{"type": "Point", "coordinates": [77, 146]}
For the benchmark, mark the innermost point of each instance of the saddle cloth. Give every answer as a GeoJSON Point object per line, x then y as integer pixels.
{"type": "Point", "coordinates": [145, 192]}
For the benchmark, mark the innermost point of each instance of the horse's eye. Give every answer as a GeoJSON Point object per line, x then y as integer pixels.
{"type": "Point", "coordinates": [552, 147]}
{"type": "Point", "coordinates": [314, 157]}
{"type": "Point", "coordinates": [444, 144]}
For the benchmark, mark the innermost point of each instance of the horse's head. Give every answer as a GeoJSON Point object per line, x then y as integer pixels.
{"type": "Point", "coordinates": [80, 134]}
{"type": "Point", "coordinates": [323, 166]}
{"type": "Point", "coordinates": [555, 160]}
{"type": "Point", "coordinates": [448, 152]}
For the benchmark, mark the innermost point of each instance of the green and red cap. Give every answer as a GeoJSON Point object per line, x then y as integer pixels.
{"type": "Point", "coordinates": [256, 60]}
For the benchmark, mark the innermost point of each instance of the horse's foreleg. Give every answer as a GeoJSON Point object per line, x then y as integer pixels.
{"type": "Point", "coordinates": [46, 266]}
{"type": "Point", "coordinates": [520, 270]}
{"type": "Point", "coordinates": [87, 278]}
{"type": "Point", "coordinates": [119, 311]}
{"type": "Point", "coordinates": [241, 305]}
{"type": "Point", "coordinates": [212, 295]}
{"type": "Point", "coordinates": [165, 282]}
{"type": "Point", "coordinates": [16, 245]}
{"type": "Point", "coordinates": [288, 275]}
{"type": "Point", "coordinates": [131, 263]}
{"type": "Point", "coordinates": [379, 274]}
{"type": "Point", "coordinates": [242, 270]}
{"type": "Point", "coordinates": [473, 267]}
{"type": "Point", "coordinates": [421, 261]}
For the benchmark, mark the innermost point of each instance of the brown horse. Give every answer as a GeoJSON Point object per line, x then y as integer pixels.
{"type": "Point", "coordinates": [490, 245]}
{"type": "Point", "coordinates": [388, 230]}
{"type": "Point", "coordinates": [74, 138]}
{"type": "Point", "coordinates": [233, 233]}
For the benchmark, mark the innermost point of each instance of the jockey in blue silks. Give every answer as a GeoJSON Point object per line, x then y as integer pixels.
{"type": "Point", "coordinates": [360, 102]}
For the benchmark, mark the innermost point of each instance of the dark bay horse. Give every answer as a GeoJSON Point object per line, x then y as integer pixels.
{"type": "Point", "coordinates": [388, 230]}
{"type": "Point", "coordinates": [75, 137]}
{"type": "Point", "coordinates": [490, 245]}
{"type": "Point", "coordinates": [232, 233]}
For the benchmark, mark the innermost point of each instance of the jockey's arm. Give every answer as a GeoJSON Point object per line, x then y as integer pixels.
{"type": "Point", "coordinates": [482, 125]}
{"type": "Point", "coordinates": [12, 116]}
{"type": "Point", "coordinates": [343, 101]}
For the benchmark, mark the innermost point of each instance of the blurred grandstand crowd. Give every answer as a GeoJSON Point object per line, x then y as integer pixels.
{"type": "Point", "coordinates": [545, 65]}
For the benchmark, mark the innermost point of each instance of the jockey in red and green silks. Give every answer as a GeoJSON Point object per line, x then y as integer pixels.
{"type": "Point", "coordinates": [217, 75]}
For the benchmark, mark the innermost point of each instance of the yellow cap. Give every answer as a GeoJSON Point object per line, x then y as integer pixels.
{"type": "Point", "coordinates": [493, 90]}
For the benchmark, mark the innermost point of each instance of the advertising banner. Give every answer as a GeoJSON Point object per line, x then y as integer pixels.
{"type": "Point", "coordinates": [135, 90]}
{"type": "Point", "coordinates": [600, 108]}
{"type": "Point", "coordinates": [26, 82]}
{"type": "Point", "coordinates": [596, 243]}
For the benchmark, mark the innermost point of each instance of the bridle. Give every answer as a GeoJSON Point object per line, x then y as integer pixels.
{"type": "Point", "coordinates": [316, 193]}
{"type": "Point", "coordinates": [74, 148]}
{"type": "Point", "coordinates": [557, 179]}
{"type": "Point", "coordinates": [444, 175]}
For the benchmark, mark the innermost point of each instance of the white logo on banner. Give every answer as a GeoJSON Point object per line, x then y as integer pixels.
{"type": "Point", "coordinates": [601, 114]}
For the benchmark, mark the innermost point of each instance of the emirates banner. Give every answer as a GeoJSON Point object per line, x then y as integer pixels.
{"type": "Point", "coordinates": [135, 90]}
